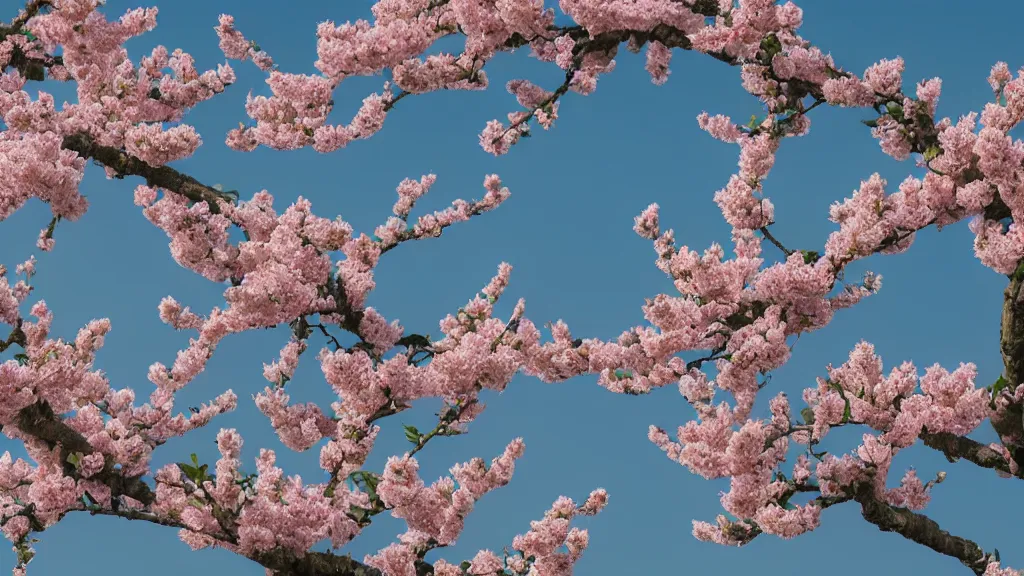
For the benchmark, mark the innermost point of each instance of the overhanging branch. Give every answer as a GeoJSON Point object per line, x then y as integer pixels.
{"type": "Point", "coordinates": [919, 528]}
{"type": "Point", "coordinates": [960, 447]}
{"type": "Point", "coordinates": [160, 176]}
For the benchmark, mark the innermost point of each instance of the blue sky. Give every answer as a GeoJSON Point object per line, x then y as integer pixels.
{"type": "Point", "coordinates": [567, 231]}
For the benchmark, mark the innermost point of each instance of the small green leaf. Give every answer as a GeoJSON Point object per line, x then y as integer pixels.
{"type": "Point", "coordinates": [999, 384]}
{"type": "Point", "coordinates": [870, 123]}
{"type": "Point", "coordinates": [810, 256]}
{"type": "Point", "coordinates": [21, 358]}
{"type": "Point", "coordinates": [412, 434]}
{"type": "Point", "coordinates": [75, 458]}
{"type": "Point", "coordinates": [358, 514]}
{"type": "Point", "coordinates": [895, 110]}
{"type": "Point", "coordinates": [191, 472]}
{"type": "Point", "coordinates": [1018, 273]}
{"type": "Point", "coordinates": [808, 415]}
{"type": "Point", "coordinates": [846, 412]}
{"type": "Point", "coordinates": [932, 152]}
{"type": "Point", "coordinates": [195, 460]}
{"type": "Point", "coordinates": [771, 46]}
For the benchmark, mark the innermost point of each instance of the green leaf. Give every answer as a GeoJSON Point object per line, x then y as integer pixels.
{"type": "Point", "coordinates": [771, 46]}
{"type": "Point", "coordinates": [810, 256]}
{"type": "Point", "coordinates": [191, 472]}
{"type": "Point", "coordinates": [808, 415]}
{"type": "Point", "coordinates": [75, 458]}
{"type": "Point", "coordinates": [21, 358]}
{"type": "Point", "coordinates": [999, 384]}
{"type": "Point", "coordinates": [932, 152]}
{"type": "Point", "coordinates": [1018, 273]}
{"type": "Point", "coordinates": [412, 434]}
{"type": "Point", "coordinates": [846, 412]}
{"type": "Point", "coordinates": [870, 123]}
{"type": "Point", "coordinates": [358, 514]}
{"type": "Point", "coordinates": [195, 460]}
{"type": "Point", "coordinates": [895, 110]}
{"type": "Point", "coordinates": [465, 564]}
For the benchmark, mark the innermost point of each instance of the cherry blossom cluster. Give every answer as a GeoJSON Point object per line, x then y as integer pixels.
{"type": "Point", "coordinates": [91, 445]}
{"type": "Point", "coordinates": [740, 314]}
{"type": "Point", "coordinates": [282, 273]}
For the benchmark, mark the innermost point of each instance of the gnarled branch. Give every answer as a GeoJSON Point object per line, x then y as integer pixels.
{"type": "Point", "coordinates": [960, 447]}
{"type": "Point", "coordinates": [919, 528]}
{"type": "Point", "coordinates": [161, 176]}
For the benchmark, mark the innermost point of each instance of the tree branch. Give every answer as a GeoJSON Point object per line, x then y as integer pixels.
{"type": "Point", "coordinates": [39, 421]}
{"type": "Point", "coordinates": [1008, 422]}
{"type": "Point", "coordinates": [162, 176]}
{"type": "Point", "coordinates": [1011, 330]}
{"type": "Point", "coordinates": [284, 563]}
{"type": "Point", "coordinates": [31, 9]}
{"type": "Point", "coordinates": [30, 68]}
{"type": "Point", "coordinates": [17, 336]}
{"type": "Point", "coordinates": [919, 528]}
{"type": "Point", "coordinates": [767, 234]}
{"type": "Point", "coordinates": [960, 447]}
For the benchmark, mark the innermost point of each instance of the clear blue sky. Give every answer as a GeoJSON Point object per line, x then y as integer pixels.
{"type": "Point", "coordinates": [567, 231]}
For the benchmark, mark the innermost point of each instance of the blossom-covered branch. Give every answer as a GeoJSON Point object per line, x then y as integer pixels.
{"type": "Point", "coordinates": [91, 445]}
